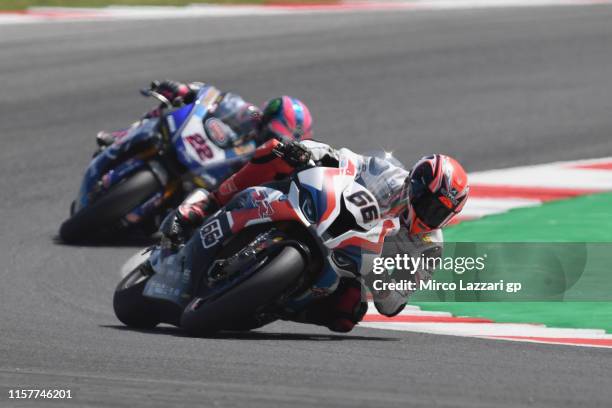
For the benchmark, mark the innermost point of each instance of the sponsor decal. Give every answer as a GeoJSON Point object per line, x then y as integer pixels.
{"type": "Point", "coordinates": [211, 233]}
{"type": "Point", "coordinates": [217, 131]}
{"type": "Point", "coordinates": [364, 201]}
{"type": "Point", "coordinates": [199, 144]}
{"type": "Point", "coordinates": [261, 203]}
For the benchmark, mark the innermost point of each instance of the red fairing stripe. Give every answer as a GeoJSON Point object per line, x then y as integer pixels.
{"type": "Point", "coordinates": [375, 247]}
{"type": "Point", "coordinates": [283, 211]}
{"type": "Point", "coordinates": [280, 211]}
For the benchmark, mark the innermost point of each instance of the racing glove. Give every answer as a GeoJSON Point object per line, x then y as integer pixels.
{"type": "Point", "coordinates": [273, 160]}
{"type": "Point", "coordinates": [177, 93]}
{"type": "Point", "coordinates": [293, 153]}
{"type": "Point", "coordinates": [172, 229]}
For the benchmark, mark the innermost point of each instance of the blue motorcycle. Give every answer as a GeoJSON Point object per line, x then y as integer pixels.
{"type": "Point", "coordinates": [149, 169]}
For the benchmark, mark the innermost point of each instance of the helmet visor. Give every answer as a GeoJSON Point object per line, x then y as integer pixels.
{"type": "Point", "coordinates": [430, 210]}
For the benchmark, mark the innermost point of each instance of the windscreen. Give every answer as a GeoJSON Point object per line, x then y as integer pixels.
{"type": "Point", "coordinates": [384, 176]}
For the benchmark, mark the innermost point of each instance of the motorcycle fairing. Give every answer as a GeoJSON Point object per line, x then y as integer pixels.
{"type": "Point", "coordinates": [177, 274]}
{"type": "Point", "coordinates": [104, 171]}
{"type": "Point", "coordinates": [176, 118]}
{"type": "Point", "coordinates": [219, 133]}
{"type": "Point", "coordinates": [258, 205]}
{"type": "Point", "coordinates": [349, 254]}
{"type": "Point", "coordinates": [172, 280]}
{"type": "Point", "coordinates": [141, 132]}
{"type": "Point", "coordinates": [332, 187]}
{"type": "Point", "coordinates": [327, 187]}
{"type": "Point", "coordinates": [370, 242]}
{"type": "Point", "coordinates": [202, 154]}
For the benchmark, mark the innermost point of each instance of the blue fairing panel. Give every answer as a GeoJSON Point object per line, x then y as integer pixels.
{"type": "Point", "coordinates": [176, 119]}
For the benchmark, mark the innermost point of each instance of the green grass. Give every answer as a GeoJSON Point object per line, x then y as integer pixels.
{"type": "Point", "coordinates": [586, 219]}
{"type": "Point", "coordinates": [24, 4]}
{"type": "Point", "coordinates": [581, 219]}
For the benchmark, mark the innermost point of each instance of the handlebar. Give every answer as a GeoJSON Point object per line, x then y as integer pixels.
{"type": "Point", "coordinates": [147, 92]}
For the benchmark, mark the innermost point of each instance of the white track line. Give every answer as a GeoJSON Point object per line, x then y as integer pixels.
{"type": "Point", "coordinates": [533, 333]}
{"type": "Point", "coordinates": [479, 207]}
{"type": "Point", "coordinates": [62, 14]}
{"type": "Point", "coordinates": [546, 176]}
{"type": "Point", "coordinates": [497, 191]}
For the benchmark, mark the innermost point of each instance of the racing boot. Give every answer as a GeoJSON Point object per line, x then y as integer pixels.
{"type": "Point", "coordinates": [105, 139]}
{"type": "Point", "coordinates": [340, 311]}
{"type": "Point", "coordinates": [178, 226]}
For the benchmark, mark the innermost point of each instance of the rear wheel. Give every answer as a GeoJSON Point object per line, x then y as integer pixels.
{"type": "Point", "coordinates": [91, 222]}
{"type": "Point", "coordinates": [236, 307]}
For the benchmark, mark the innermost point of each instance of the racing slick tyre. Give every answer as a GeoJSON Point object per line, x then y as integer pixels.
{"type": "Point", "coordinates": [90, 222]}
{"type": "Point", "coordinates": [131, 307]}
{"type": "Point", "coordinates": [235, 308]}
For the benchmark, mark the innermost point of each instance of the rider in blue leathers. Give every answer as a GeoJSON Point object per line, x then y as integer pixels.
{"type": "Point", "coordinates": [234, 118]}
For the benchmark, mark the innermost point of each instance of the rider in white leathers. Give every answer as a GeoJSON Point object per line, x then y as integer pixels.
{"type": "Point", "coordinates": [423, 200]}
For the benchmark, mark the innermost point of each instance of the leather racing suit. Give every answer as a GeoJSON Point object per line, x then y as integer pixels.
{"type": "Point", "coordinates": [383, 178]}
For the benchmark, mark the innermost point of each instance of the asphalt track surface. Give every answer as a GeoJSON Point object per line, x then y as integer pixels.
{"type": "Point", "coordinates": [494, 88]}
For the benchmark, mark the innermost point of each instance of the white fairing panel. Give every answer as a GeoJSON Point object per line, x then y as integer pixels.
{"type": "Point", "coordinates": [333, 181]}
{"type": "Point", "coordinates": [363, 205]}
{"type": "Point", "coordinates": [197, 145]}
{"type": "Point", "coordinates": [313, 177]}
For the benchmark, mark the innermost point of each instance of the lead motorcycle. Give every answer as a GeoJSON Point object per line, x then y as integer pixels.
{"type": "Point", "coordinates": [270, 252]}
{"type": "Point", "coordinates": [151, 167]}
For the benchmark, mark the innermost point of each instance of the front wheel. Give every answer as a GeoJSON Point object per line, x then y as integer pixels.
{"type": "Point", "coordinates": [129, 303]}
{"type": "Point", "coordinates": [90, 222]}
{"type": "Point", "coordinates": [276, 276]}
